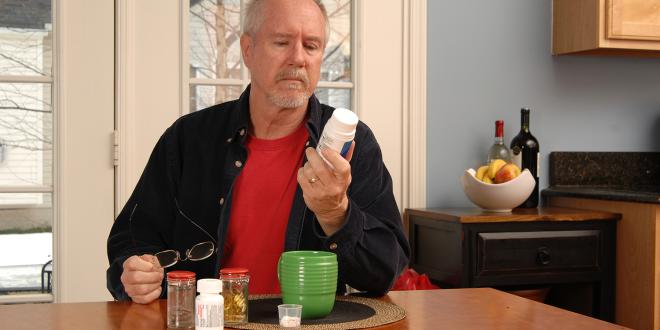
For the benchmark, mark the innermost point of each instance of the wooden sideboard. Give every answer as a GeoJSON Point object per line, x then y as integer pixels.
{"type": "Point", "coordinates": [571, 251]}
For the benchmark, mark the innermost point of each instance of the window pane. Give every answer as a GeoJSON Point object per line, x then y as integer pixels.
{"type": "Point", "coordinates": [25, 38]}
{"type": "Point", "coordinates": [334, 97]}
{"type": "Point", "coordinates": [337, 59]}
{"type": "Point", "coordinates": [214, 39]}
{"type": "Point", "coordinates": [203, 96]}
{"type": "Point", "coordinates": [26, 237]}
{"type": "Point", "coordinates": [26, 134]}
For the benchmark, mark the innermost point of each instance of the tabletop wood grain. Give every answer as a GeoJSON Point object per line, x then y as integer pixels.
{"type": "Point", "coordinates": [475, 308]}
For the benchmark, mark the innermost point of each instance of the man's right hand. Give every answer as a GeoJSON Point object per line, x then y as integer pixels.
{"type": "Point", "coordinates": [142, 277]}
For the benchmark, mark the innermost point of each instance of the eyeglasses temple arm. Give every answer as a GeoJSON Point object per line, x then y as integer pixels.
{"type": "Point", "coordinates": [176, 202]}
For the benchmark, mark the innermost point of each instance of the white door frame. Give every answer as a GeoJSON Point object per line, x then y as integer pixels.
{"type": "Point", "coordinates": [83, 180]}
{"type": "Point", "coordinates": [414, 172]}
{"type": "Point", "coordinates": [391, 89]}
{"type": "Point", "coordinates": [148, 84]}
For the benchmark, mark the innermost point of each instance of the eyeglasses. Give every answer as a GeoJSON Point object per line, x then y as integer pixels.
{"type": "Point", "coordinates": [199, 251]}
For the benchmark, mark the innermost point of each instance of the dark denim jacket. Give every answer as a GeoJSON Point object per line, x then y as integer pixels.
{"type": "Point", "coordinates": [190, 174]}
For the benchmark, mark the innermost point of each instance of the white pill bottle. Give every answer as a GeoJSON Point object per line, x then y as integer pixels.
{"type": "Point", "coordinates": [338, 132]}
{"type": "Point", "coordinates": [209, 305]}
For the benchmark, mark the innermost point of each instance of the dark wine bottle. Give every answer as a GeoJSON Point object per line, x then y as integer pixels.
{"type": "Point", "coordinates": [525, 153]}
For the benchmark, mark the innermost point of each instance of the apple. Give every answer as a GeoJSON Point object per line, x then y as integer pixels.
{"type": "Point", "coordinates": [494, 166]}
{"type": "Point", "coordinates": [506, 173]}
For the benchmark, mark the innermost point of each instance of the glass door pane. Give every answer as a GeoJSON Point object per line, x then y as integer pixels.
{"type": "Point", "coordinates": [214, 33]}
{"type": "Point", "coordinates": [337, 58]}
{"type": "Point", "coordinates": [204, 96]}
{"type": "Point", "coordinates": [26, 38]}
{"type": "Point", "coordinates": [26, 146]}
{"type": "Point", "coordinates": [26, 240]}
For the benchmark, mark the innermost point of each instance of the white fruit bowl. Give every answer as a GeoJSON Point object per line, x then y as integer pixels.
{"type": "Point", "coordinates": [500, 197]}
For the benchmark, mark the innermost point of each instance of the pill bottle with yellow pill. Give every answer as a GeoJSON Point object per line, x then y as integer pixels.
{"type": "Point", "coordinates": [235, 283]}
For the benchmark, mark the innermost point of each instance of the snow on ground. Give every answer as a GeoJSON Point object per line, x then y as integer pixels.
{"type": "Point", "coordinates": [21, 259]}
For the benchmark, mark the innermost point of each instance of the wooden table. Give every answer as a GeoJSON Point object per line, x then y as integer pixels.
{"type": "Point", "coordinates": [475, 308]}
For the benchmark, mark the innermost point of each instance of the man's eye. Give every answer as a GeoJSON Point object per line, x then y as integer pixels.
{"type": "Point", "coordinates": [312, 46]}
{"type": "Point", "coordinates": [280, 43]}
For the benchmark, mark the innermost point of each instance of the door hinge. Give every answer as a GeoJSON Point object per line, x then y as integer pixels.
{"type": "Point", "coordinates": [115, 148]}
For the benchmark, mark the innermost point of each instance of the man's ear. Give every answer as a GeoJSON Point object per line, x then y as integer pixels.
{"type": "Point", "coordinates": [246, 49]}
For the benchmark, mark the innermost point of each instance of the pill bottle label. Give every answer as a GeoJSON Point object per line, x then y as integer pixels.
{"type": "Point", "coordinates": [209, 317]}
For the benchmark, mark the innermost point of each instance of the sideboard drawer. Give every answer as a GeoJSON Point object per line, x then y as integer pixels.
{"type": "Point", "coordinates": [537, 251]}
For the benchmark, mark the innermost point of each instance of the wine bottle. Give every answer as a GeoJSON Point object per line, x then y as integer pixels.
{"type": "Point", "coordinates": [499, 150]}
{"type": "Point", "coordinates": [525, 154]}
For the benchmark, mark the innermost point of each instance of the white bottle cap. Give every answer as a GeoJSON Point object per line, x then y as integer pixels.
{"type": "Point", "coordinates": [209, 285]}
{"type": "Point", "coordinates": [344, 121]}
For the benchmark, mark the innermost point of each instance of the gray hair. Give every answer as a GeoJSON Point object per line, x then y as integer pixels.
{"type": "Point", "coordinates": [254, 18]}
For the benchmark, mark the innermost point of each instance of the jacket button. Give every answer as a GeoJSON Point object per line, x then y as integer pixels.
{"type": "Point", "coordinates": [242, 131]}
{"type": "Point", "coordinates": [221, 201]}
{"type": "Point", "coordinates": [228, 140]}
{"type": "Point", "coordinates": [333, 246]}
{"type": "Point", "coordinates": [307, 144]}
{"type": "Point", "coordinates": [238, 163]}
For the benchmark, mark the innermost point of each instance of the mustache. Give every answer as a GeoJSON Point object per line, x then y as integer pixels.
{"type": "Point", "coordinates": [294, 74]}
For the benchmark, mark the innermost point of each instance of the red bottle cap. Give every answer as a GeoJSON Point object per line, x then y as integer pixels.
{"type": "Point", "coordinates": [233, 272]}
{"type": "Point", "coordinates": [499, 128]}
{"type": "Point", "coordinates": [180, 275]}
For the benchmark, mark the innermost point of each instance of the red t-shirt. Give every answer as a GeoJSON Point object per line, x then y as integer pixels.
{"type": "Point", "coordinates": [260, 208]}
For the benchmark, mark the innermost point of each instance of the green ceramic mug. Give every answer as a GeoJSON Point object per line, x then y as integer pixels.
{"type": "Point", "coordinates": [309, 278]}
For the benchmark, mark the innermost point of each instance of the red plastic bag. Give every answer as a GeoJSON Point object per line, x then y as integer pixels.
{"type": "Point", "coordinates": [411, 280]}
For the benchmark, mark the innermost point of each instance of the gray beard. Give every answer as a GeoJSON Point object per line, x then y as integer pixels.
{"type": "Point", "coordinates": [288, 102]}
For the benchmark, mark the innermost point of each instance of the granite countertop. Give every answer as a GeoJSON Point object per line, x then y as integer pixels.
{"type": "Point", "coordinates": [618, 176]}
{"type": "Point", "coordinates": [615, 193]}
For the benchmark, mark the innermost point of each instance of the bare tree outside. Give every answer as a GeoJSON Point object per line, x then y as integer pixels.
{"type": "Point", "coordinates": [214, 31]}
{"type": "Point", "coordinates": [26, 142]}
{"type": "Point", "coordinates": [25, 107]}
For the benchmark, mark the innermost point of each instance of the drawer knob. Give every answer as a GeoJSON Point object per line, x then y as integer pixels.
{"type": "Point", "coordinates": [543, 255]}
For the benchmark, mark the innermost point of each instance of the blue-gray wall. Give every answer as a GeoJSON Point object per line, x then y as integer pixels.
{"type": "Point", "coordinates": [486, 59]}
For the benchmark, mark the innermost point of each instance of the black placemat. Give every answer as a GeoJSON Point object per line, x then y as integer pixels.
{"type": "Point", "coordinates": [349, 312]}
{"type": "Point", "coordinates": [265, 311]}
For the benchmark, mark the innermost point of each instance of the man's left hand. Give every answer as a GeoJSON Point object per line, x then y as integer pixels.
{"type": "Point", "coordinates": [324, 187]}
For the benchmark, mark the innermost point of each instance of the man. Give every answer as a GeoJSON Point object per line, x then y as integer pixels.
{"type": "Point", "coordinates": [245, 175]}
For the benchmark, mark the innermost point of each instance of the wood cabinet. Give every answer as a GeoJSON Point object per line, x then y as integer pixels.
{"type": "Point", "coordinates": [637, 255]}
{"type": "Point", "coordinates": [570, 250]}
{"type": "Point", "coordinates": [606, 27]}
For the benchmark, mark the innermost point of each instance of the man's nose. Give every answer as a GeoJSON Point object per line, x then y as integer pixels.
{"type": "Point", "coordinates": [297, 55]}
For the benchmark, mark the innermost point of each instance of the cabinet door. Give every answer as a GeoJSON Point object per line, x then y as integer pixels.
{"type": "Point", "coordinates": [633, 19]}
